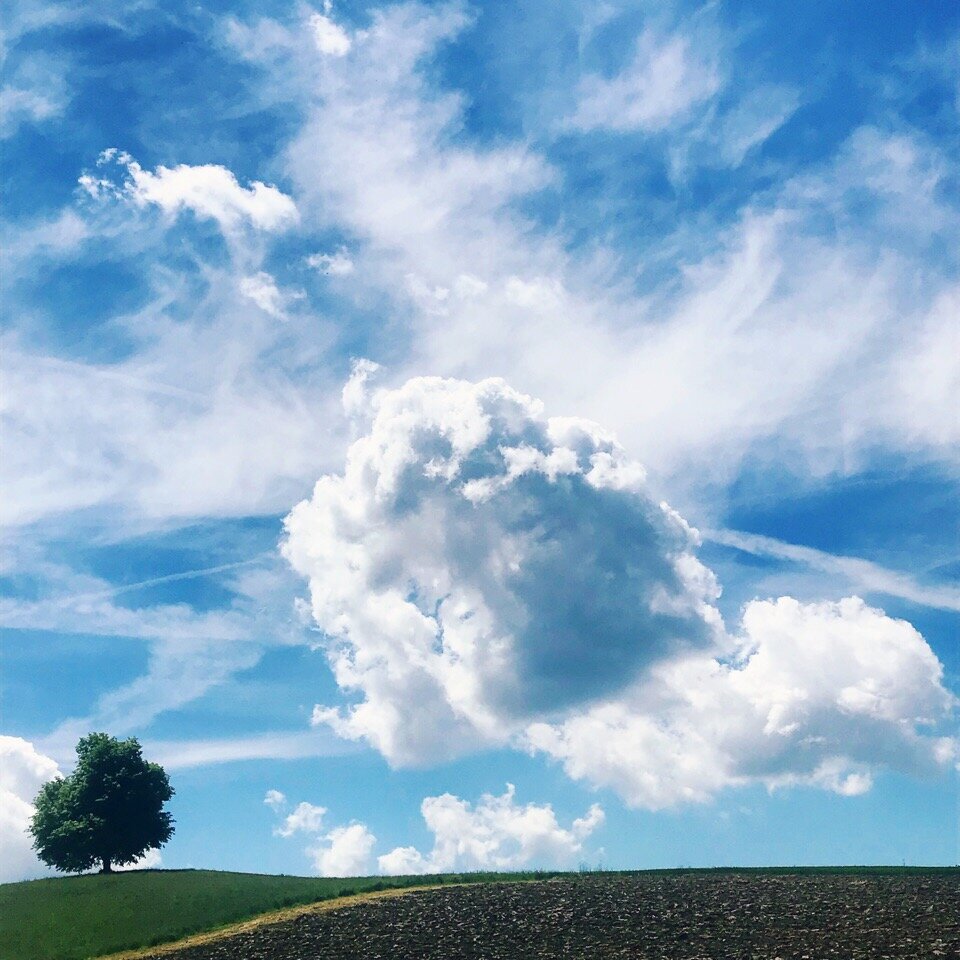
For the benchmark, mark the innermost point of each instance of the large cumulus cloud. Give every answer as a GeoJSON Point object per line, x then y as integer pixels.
{"type": "Point", "coordinates": [23, 770]}
{"type": "Point", "coordinates": [479, 564]}
{"type": "Point", "coordinates": [484, 574]}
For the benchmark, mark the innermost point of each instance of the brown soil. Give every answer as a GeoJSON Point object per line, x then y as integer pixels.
{"type": "Point", "coordinates": [686, 916]}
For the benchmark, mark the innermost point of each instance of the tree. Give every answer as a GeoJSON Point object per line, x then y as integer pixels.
{"type": "Point", "coordinates": [109, 810]}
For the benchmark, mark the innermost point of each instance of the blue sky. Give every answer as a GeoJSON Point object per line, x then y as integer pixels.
{"type": "Point", "coordinates": [507, 280]}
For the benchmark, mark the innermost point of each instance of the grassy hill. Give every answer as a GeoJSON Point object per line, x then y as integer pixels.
{"type": "Point", "coordinates": [72, 918]}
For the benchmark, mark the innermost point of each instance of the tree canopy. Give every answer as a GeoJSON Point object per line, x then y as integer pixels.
{"type": "Point", "coordinates": [108, 811]}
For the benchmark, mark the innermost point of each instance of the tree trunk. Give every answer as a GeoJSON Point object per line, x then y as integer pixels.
{"type": "Point", "coordinates": [106, 868]}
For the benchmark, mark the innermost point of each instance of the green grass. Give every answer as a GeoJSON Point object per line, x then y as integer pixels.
{"type": "Point", "coordinates": [72, 918]}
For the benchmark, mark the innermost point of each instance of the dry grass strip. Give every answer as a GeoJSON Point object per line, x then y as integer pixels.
{"type": "Point", "coordinates": [265, 919]}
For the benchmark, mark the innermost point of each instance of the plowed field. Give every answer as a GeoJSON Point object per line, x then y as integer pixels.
{"type": "Point", "coordinates": [717, 916]}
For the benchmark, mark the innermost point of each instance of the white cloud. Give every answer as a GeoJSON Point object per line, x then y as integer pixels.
{"type": "Point", "coordinates": [331, 39]}
{"type": "Point", "coordinates": [163, 432]}
{"type": "Point", "coordinates": [354, 397]}
{"type": "Point", "coordinates": [337, 264]}
{"type": "Point", "coordinates": [665, 79]}
{"type": "Point", "coordinates": [470, 550]}
{"type": "Point", "coordinates": [263, 291]}
{"type": "Point", "coordinates": [540, 294]}
{"type": "Point", "coordinates": [467, 286]}
{"type": "Point", "coordinates": [151, 860]}
{"type": "Point", "coordinates": [306, 818]}
{"type": "Point", "coordinates": [345, 852]}
{"type": "Point", "coordinates": [822, 694]}
{"type": "Point", "coordinates": [496, 834]}
{"type": "Point", "coordinates": [753, 120]}
{"type": "Point", "coordinates": [23, 770]}
{"type": "Point", "coordinates": [210, 191]}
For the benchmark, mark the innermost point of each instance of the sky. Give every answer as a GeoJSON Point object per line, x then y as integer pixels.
{"type": "Point", "coordinates": [455, 436]}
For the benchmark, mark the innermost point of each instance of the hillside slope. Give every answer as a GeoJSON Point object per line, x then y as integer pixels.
{"type": "Point", "coordinates": [72, 918]}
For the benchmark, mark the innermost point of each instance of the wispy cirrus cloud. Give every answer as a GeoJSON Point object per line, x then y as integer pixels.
{"type": "Point", "coordinates": [160, 430]}
{"type": "Point", "coordinates": [295, 744]}
{"type": "Point", "coordinates": [863, 575]}
{"type": "Point", "coordinates": [775, 280]}
{"type": "Point", "coordinates": [475, 286]}
{"type": "Point", "coordinates": [683, 90]}
{"type": "Point", "coordinates": [34, 92]}
{"type": "Point", "coordinates": [666, 77]}
{"type": "Point", "coordinates": [189, 652]}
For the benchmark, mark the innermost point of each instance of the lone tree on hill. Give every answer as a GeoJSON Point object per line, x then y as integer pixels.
{"type": "Point", "coordinates": [109, 810]}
